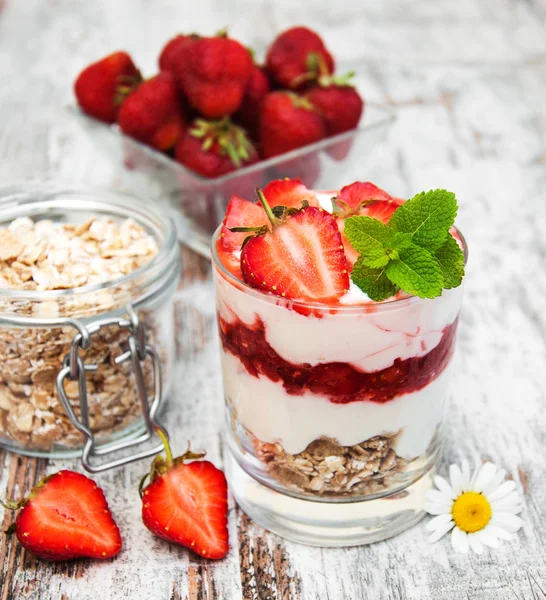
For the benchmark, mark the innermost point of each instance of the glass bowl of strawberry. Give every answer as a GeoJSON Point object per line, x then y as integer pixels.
{"type": "Point", "coordinates": [214, 122]}
{"type": "Point", "coordinates": [337, 314]}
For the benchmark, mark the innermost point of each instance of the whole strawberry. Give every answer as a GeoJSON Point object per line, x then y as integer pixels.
{"type": "Point", "coordinates": [66, 516]}
{"type": "Point", "coordinates": [214, 75]}
{"type": "Point", "coordinates": [214, 148]}
{"type": "Point", "coordinates": [287, 122]}
{"type": "Point", "coordinates": [173, 54]}
{"type": "Point", "coordinates": [97, 86]}
{"type": "Point", "coordinates": [186, 503]}
{"type": "Point", "coordinates": [294, 56]}
{"type": "Point", "coordinates": [248, 114]}
{"type": "Point", "coordinates": [152, 113]}
{"type": "Point", "coordinates": [339, 103]}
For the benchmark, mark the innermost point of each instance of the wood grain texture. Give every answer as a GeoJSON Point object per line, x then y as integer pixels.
{"type": "Point", "coordinates": [468, 81]}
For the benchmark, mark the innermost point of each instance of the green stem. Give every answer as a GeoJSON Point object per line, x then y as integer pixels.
{"type": "Point", "coordinates": [11, 504]}
{"type": "Point", "coordinates": [272, 218]}
{"type": "Point", "coordinates": [168, 452]}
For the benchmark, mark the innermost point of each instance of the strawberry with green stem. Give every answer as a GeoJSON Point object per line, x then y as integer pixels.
{"type": "Point", "coordinates": [186, 502]}
{"type": "Point", "coordinates": [214, 148]}
{"type": "Point", "coordinates": [97, 87]}
{"type": "Point", "coordinates": [298, 254]}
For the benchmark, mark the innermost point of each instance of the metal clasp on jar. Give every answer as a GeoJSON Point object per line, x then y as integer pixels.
{"type": "Point", "coordinates": [75, 369]}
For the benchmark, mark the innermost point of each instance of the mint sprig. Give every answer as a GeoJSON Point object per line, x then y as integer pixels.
{"type": "Point", "coordinates": [415, 252]}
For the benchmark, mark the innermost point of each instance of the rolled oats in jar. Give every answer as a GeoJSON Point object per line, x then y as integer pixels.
{"type": "Point", "coordinates": [73, 261]}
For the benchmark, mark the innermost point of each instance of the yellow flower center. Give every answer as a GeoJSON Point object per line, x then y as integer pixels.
{"type": "Point", "coordinates": [471, 512]}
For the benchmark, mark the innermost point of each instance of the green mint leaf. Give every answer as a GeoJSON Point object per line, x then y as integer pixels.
{"type": "Point", "coordinates": [373, 282]}
{"type": "Point", "coordinates": [400, 241]}
{"type": "Point", "coordinates": [371, 238]}
{"type": "Point", "coordinates": [428, 216]}
{"type": "Point", "coordinates": [450, 257]}
{"type": "Point", "coordinates": [416, 272]}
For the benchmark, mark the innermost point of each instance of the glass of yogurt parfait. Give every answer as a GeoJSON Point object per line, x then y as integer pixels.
{"type": "Point", "coordinates": [334, 400]}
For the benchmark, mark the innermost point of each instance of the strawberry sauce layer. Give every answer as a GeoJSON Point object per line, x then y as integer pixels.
{"type": "Point", "coordinates": [340, 382]}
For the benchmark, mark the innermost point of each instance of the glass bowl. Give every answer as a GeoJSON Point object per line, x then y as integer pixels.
{"type": "Point", "coordinates": [197, 205]}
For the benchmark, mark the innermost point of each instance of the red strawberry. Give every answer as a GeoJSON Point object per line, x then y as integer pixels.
{"type": "Point", "coordinates": [97, 85]}
{"type": "Point", "coordinates": [214, 148]}
{"type": "Point", "coordinates": [66, 516]}
{"type": "Point", "coordinates": [187, 503]}
{"type": "Point", "coordinates": [300, 257]}
{"type": "Point", "coordinates": [173, 54]}
{"type": "Point", "coordinates": [240, 213]}
{"type": "Point", "coordinates": [287, 122]}
{"type": "Point", "coordinates": [294, 56]}
{"type": "Point", "coordinates": [248, 114]}
{"type": "Point", "coordinates": [288, 192]}
{"type": "Point", "coordinates": [339, 103]}
{"type": "Point", "coordinates": [214, 75]}
{"type": "Point", "coordinates": [363, 198]}
{"type": "Point", "coordinates": [152, 113]}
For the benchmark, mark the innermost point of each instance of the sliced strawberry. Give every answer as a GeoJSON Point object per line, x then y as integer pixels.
{"type": "Point", "coordinates": [288, 192]}
{"type": "Point", "coordinates": [381, 209]}
{"type": "Point", "coordinates": [353, 195]}
{"type": "Point", "coordinates": [302, 258]}
{"type": "Point", "coordinates": [187, 504]}
{"type": "Point", "coordinates": [240, 213]}
{"type": "Point", "coordinates": [65, 517]}
{"type": "Point", "coordinates": [363, 198]}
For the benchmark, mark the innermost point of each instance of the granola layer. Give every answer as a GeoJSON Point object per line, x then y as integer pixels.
{"type": "Point", "coordinates": [327, 468]}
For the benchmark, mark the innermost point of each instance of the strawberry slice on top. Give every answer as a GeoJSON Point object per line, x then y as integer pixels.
{"type": "Point", "coordinates": [288, 192]}
{"type": "Point", "coordinates": [299, 257]}
{"type": "Point", "coordinates": [240, 213]}
{"type": "Point", "coordinates": [362, 198]}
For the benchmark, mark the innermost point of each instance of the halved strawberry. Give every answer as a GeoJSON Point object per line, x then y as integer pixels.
{"type": "Point", "coordinates": [186, 503]}
{"type": "Point", "coordinates": [66, 516]}
{"type": "Point", "coordinates": [353, 195]}
{"type": "Point", "coordinates": [300, 258]}
{"type": "Point", "coordinates": [362, 198]}
{"type": "Point", "coordinates": [240, 213]}
{"type": "Point", "coordinates": [288, 192]}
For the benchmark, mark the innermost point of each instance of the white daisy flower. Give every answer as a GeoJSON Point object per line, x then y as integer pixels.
{"type": "Point", "coordinates": [479, 510]}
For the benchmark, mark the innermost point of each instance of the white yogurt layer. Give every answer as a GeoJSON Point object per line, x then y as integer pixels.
{"type": "Point", "coordinates": [268, 412]}
{"type": "Point", "coordinates": [369, 341]}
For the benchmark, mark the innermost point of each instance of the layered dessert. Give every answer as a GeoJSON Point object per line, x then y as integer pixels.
{"type": "Point", "coordinates": [337, 325]}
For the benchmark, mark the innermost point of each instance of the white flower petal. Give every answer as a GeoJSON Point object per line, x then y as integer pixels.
{"type": "Point", "coordinates": [495, 482]}
{"type": "Point", "coordinates": [441, 531]}
{"type": "Point", "coordinates": [438, 521]}
{"type": "Point", "coordinates": [499, 532]}
{"type": "Point", "coordinates": [512, 503]}
{"type": "Point", "coordinates": [433, 508]}
{"type": "Point", "coordinates": [465, 477]}
{"type": "Point", "coordinates": [488, 537]}
{"type": "Point", "coordinates": [484, 477]}
{"type": "Point", "coordinates": [475, 543]}
{"type": "Point", "coordinates": [456, 477]}
{"type": "Point", "coordinates": [438, 497]}
{"type": "Point", "coordinates": [508, 521]}
{"type": "Point", "coordinates": [444, 487]}
{"type": "Point", "coordinates": [459, 540]}
{"type": "Point", "coordinates": [503, 490]}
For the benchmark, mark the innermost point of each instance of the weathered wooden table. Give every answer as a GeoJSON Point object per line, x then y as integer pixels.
{"type": "Point", "coordinates": [468, 80]}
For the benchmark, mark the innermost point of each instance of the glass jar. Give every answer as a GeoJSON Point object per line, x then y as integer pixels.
{"type": "Point", "coordinates": [84, 366]}
{"type": "Point", "coordinates": [334, 413]}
